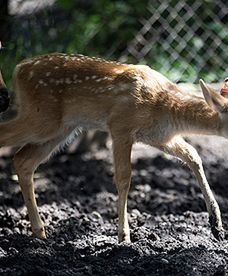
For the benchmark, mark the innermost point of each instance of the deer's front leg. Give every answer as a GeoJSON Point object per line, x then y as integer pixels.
{"type": "Point", "coordinates": [187, 153]}
{"type": "Point", "coordinates": [122, 177]}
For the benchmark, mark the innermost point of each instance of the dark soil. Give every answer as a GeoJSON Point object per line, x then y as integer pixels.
{"type": "Point", "coordinates": [77, 198]}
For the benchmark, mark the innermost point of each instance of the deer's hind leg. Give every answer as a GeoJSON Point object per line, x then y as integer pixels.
{"type": "Point", "coordinates": [26, 160]}
{"type": "Point", "coordinates": [180, 148]}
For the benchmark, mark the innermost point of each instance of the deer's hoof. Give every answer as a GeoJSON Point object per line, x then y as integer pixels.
{"type": "Point", "coordinates": [39, 233]}
{"type": "Point", "coordinates": [219, 234]}
{"type": "Point", "coordinates": [124, 238]}
{"type": "Point", "coordinates": [216, 229]}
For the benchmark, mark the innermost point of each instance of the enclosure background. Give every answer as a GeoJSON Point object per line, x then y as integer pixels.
{"type": "Point", "coordinates": [185, 40]}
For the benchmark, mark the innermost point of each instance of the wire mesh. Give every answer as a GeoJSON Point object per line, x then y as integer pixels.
{"type": "Point", "coordinates": [184, 40]}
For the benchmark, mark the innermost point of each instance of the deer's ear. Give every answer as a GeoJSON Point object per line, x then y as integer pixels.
{"type": "Point", "coordinates": [213, 99]}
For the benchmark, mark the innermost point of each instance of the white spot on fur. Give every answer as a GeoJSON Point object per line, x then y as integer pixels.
{"type": "Point", "coordinates": [87, 78]}
{"type": "Point", "coordinates": [107, 78]}
{"type": "Point", "coordinates": [24, 62]}
{"type": "Point", "coordinates": [48, 74]}
{"type": "Point", "coordinates": [119, 71]}
{"type": "Point", "coordinates": [68, 81]}
{"type": "Point", "coordinates": [42, 83]}
{"type": "Point", "coordinates": [56, 67]}
{"type": "Point", "coordinates": [99, 80]}
{"type": "Point", "coordinates": [37, 62]}
{"type": "Point", "coordinates": [31, 74]}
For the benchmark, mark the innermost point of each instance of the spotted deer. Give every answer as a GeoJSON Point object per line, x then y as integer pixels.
{"type": "Point", "coordinates": [58, 94]}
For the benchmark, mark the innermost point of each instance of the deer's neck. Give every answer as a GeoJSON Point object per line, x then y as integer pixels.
{"type": "Point", "coordinates": [194, 116]}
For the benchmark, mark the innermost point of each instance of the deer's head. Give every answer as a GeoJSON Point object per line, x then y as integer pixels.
{"type": "Point", "coordinates": [218, 103]}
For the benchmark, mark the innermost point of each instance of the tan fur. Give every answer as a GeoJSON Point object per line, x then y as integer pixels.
{"type": "Point", "coordinates": [59, 94]}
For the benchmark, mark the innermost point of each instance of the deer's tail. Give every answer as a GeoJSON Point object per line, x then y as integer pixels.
{"type": "Point", "coordinates": [4, 95]}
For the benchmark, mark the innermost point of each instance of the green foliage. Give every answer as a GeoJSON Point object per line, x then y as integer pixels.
{"type": "Point", "coordinates": [104, 28]}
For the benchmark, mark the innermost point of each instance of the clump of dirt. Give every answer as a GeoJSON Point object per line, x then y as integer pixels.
{"type": "Point", "coordinates": [77, 199]}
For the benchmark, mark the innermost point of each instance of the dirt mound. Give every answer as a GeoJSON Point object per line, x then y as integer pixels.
{"type": "Point", "coordinates": [77, 198]}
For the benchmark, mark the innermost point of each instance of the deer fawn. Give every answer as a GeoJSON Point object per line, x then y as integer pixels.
{"type": "Point", "coordinates": [59, 93]}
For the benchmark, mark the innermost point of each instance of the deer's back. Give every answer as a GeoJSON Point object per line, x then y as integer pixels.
{"type": "Point", "coordinates": [94, 90]}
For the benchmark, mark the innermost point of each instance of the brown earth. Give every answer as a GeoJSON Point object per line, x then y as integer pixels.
{"type": "Point", "coordinates": [77, 198]}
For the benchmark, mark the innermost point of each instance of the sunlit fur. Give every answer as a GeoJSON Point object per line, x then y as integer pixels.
{"type": "Point", "coordinates": [58, 94]}
{"type": "Point", "coordinates": [73, 91]}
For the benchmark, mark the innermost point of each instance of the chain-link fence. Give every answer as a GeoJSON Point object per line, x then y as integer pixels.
{"type": "Point", "coordinates": [184, 39]}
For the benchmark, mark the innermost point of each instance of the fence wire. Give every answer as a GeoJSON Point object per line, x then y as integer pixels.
{"type": "Point", "coordinates": [184, 40]}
